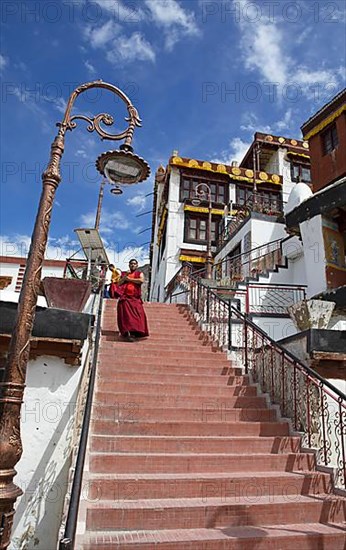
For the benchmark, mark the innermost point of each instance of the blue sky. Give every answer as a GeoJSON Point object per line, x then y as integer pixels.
{"type": "Point", "coordinates": [204, 76]}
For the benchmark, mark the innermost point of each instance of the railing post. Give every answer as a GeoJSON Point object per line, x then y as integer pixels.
{"type": "Point", "coordinates": [323, 429]}
{"type": "Point", "coordinates": [342, 431]}
{"type": "Point", "coordinates": [246, 346]}
{"type": "Point", "coordinates": [198, 296]}
{"type": "Point", "coordinates": [230, 347]}
{"type": "Point", "coordinates": [283, 395]}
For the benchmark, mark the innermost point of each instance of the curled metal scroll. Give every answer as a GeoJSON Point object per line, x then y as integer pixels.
{"type": "Point", "coordinates": [69, 122]}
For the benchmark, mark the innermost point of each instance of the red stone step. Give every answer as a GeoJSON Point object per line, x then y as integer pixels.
{"type": "Point", "coordinates": [157, 346]}
{"type": "Point", "coordinates": [168, 377]}
{"type": "Point", "coordinates": [191, 462]}
{"type": "Point", "coordinates": [190, 428]}
{"type": "Point", "coordinates": [223, 372]}
{"type": "Point", "coordinates": [313, 536]}
{"type": "Point", "coordinates": [112, 362]}
{"type": "Point", "coordinates": [197, 513]}
{"type": "Point", "coordinates": [207, 359]}
{"type": "Point", "coordinates": [156, 388]}
{"type": "Point", "coordinates": [181, 444]}
{"type": "Point", "coordinates": [135, 411]}
{"type": "Point", "coordinates": [204, 485]}
{"type": "Point", "coordinates": [130, 349]}
{"type": "Point", "coordinates": [210, 406]}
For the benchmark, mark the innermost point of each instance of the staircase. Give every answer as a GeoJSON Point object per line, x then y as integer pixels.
{"type": "Point", "coordinates": [184, 454]}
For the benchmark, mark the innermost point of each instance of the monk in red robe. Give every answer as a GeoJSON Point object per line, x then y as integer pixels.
{"type": "Point", "coordinates": [132, 321]}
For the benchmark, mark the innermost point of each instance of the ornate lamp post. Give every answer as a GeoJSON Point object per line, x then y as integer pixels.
{"type": "Point", "coordinates": [12, 389]}
{"type": "Point", "coordinates": [200, 194]}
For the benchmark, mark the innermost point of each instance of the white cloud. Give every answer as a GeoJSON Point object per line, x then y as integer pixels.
{"type": "Point", "coordinates": [63, 247]}
{"type": "Point", "coordinates": [250, 123]}
{"type": "Point", "coordinates": [138, 202]}
{"type": "Point", "coordinates": [132, 48]}
{"type": "Point", "coordinates": [176, 22]}
{"type": "Point", "coordinates": [236, 151]}
{"type": "Point", "coordinates": [119, 47]}
{"type": "Point", "coordinates": [109, 223]}
{"type": "Point", "coordinates": [264, 49]}
{"type": "Point", "coordinates": [121, 258]}
{"type": "Point", "coordinates": [99, 37]}
{"type": "Point", "coordinates": [120, 12]}
{"type": "Point", "coordinates": [60, 104]}
{"type": "Point", "coordinates": [57, 248]}
{"type": "Point", "coordinates": [90, 68]}
{"type": "Point", "coordinates": [3, 62]}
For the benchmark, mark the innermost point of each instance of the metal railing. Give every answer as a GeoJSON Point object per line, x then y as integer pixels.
{"type": "Point", "coordinates": [254, 262]}
{"type": "Point", "coordinates": [256, 202]}
{"type": "Point", "coordinates": [315, 407]}
{"type": "Point", "coordinates": [68, 539]}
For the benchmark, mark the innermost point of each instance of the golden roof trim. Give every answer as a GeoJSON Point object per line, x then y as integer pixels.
{"type": "Point", "coordinates": [203, 209]}
{"type": "Point", "coordinates": [325, 122]}
{"type": "Point", "coordinates": [234, 172]}
{"type": "Point", "coordinates": [192, 259]}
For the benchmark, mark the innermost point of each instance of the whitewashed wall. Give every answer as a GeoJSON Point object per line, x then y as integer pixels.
{"type": "Point", "coordinates": [47, 424]}
{"type": "Point", "coordinates": [12, 270]}
{"type": "Point", "coordinates": [314, 255]}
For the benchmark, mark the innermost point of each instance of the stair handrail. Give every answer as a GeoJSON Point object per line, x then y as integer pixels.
{"type": "Point", "coordinates": [303, 395]}
{"type": "Point", "coordinates": [236, 260]}
{"type": "Point", "coordinates": [67, 542]}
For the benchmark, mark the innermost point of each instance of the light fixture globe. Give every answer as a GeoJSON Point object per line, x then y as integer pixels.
{"type": "Point", "coordinates": [123, 166]}
{"type": "Point", "coordinates": [116, 190]}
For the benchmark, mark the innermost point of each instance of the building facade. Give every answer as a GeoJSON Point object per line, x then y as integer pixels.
{"type": "Point", "coordinates": [258, 188]}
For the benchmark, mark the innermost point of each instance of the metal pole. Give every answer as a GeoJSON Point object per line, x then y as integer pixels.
{"type": "Point", "coordinates": [209, 255]}
{"type": "Point", "coordinates": [99, 204]}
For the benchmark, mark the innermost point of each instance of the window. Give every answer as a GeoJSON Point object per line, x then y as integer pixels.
{"type": "Point", "coordinates": [270, 201]}
{"type": "Point", "coordinates": [300, 172]}
{"type": "Point", "coordinates": [243, 194]}
{"type": "Point", "coordinates": [218, 189]}
{"type": "Point", "coordinates": [329, 139]}
{"type": "Point", "coordinates": [196, 229]}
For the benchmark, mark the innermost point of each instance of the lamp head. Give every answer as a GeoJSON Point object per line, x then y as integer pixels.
{"type": "Point", "coordinates": [123, 166]}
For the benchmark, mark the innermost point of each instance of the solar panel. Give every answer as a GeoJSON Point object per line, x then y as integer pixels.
{"type": "Point", "coordinates": [92, 245]}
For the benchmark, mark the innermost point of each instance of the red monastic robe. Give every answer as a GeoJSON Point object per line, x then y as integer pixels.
{"type": "Point", "coordinates": [131, 315]}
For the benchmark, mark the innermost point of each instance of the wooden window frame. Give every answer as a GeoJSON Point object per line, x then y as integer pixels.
{"type": "Point", "coordinates": [330, 132]}
{"type": "Point", "coordinates": [300, 167]}
{"type": "Point", "coordinates": [200, 217]}
{"type": "Point", "coordinates": [196, 180]}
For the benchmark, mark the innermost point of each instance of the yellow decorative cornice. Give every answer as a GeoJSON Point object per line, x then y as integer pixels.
{"type": "Point", "coordinates": [325, 122]}
{"type": "Point", "coordinates": [298, 155]}
{"type": "Point", "coordinates": [203, 210]}
{"type": "Point", "coordinates": [234, 172]}
{"type": "Point", "coordinates": [192, 259]}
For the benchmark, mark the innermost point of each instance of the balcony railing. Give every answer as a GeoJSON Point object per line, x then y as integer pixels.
{"type": "Point", "coordinates": [256, 202]}
{"type": "Point", "coordinates": [315, 407]}
{"type": "Point", "coordinates": [256, 261]}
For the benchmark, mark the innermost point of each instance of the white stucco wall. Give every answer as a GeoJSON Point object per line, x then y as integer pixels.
{"type": "Point", "coordinates": [314, 255]}
{"type": "Point", "coordinates": [10, 270]}
{"type": "Point", "coordinates": [276, 327]}
{"type": "Point", "coordinates": [47, 424]}
{"type": "Point", "coordinates": [262, 232]}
